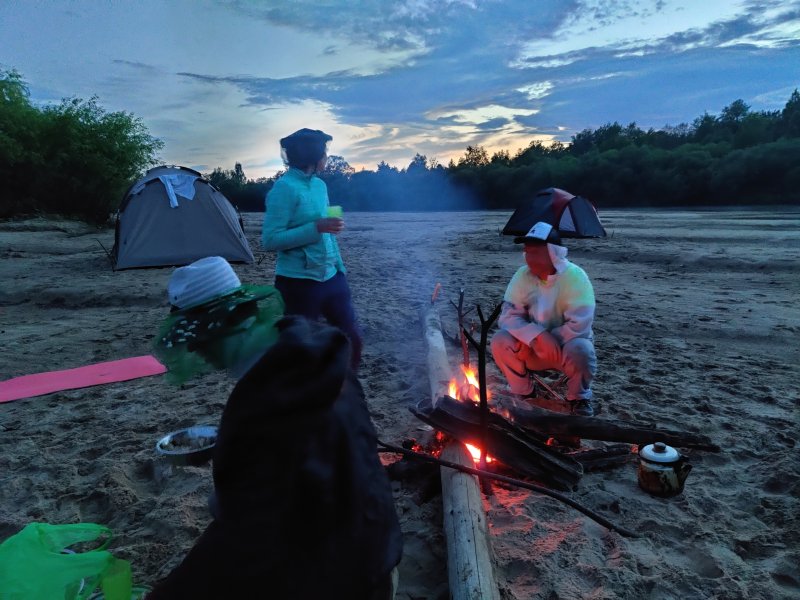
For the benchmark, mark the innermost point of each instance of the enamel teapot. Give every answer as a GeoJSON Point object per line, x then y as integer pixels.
{"type": "Point", "coordinates": [662, 470]}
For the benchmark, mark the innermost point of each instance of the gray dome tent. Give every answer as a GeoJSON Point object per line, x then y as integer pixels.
{"type": "Point", "coordinates": [172, 216]}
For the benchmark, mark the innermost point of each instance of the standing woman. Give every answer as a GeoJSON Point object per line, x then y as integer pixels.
{"type": "Point", "coordinates": [309, 272]}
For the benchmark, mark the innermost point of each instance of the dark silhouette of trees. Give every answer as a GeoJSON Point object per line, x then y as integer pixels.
{"type": "Point", "coordinates": [247, 195]}
{"type": "Point", "coordinates": [790, 117]}
{"type": "Point", "coordinates": [76, 159]}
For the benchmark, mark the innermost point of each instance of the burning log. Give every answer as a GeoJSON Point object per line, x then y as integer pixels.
{"type": "Point", "coordinates": [542, 422]}
{"type": "Point", "coordinates": [522, 444]}
{"type": "Point", "coordinates": [424, 457]}
{"type": "Point", "coordinates": [468, 560]}
{"type": "Point", "coordinates": [511, 445]}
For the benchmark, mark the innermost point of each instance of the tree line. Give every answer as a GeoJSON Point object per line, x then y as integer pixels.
{"type": "Point", "coordinates": [76, 159]}
{"type": "Point", "coordinates": [739, 157]}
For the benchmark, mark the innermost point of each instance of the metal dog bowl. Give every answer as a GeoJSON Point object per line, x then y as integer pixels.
{"type": "Point", "coordinates": [188, 447]}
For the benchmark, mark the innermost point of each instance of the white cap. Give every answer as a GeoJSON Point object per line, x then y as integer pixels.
{"type": "Point", "coordinates": [541, 232]}
{"type": "Point", "coordinates": [201, 281]}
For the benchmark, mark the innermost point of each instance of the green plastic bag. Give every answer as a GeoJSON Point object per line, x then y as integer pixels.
{"type": "Point", "coordinates": [35, 566]}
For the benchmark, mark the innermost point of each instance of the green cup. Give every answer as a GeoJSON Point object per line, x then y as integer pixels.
{"type": "Point", "coordinates": [335, 211]}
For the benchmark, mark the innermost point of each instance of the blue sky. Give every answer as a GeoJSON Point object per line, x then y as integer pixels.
{"type": "Point", "coordinates": [220, 81]}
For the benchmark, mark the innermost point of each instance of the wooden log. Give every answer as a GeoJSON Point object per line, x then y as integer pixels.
{"type": "Point", "coordinates": [439, 372]}
{"type": "Point", "coordinates": [547, 422]}
{"type": "Point", "coordinates": [595, 459]}
{"type": "Point", "coordinates": [510, 445]}
{"type": "Point", "coordinates": [469, 566]}
{"type": "Point", "coordinates": [469, 563]}
{"type": "Point", "coordinates": [543, 424]}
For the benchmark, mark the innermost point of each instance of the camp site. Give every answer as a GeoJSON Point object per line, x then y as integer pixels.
{"type": "Point", "coordinates": [173, 426]}
{"type": "Point", "coordinates": [66, 460]}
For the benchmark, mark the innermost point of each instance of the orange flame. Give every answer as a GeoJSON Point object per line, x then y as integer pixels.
{"type": "Point", "coordinates": [468, 389]}
{"type": "Point", "coordinates": [476, 454]}
{"type": "Point", "coordinates": [469, 375]}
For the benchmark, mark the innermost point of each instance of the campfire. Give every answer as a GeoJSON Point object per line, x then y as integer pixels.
{"type": "Point", "coordinates": [466, 388]}
{"type": "Point", "coordinates": [521, 439]}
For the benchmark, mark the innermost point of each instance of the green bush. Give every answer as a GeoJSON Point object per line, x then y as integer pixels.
{"type": "Point", "coordinates": [74, 159]}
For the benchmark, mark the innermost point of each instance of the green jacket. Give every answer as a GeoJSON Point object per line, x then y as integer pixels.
{"type": "Point", "coordinates": [293, 205]}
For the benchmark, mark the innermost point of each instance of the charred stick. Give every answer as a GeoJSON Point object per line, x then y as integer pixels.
{"type": "Point", "coordinates": [464, 346]}
{"type": "Point", "coordinates": [461, 314]}
{"type": "Point", "coordinates": [486, 325]}
{"type": "Point", "coordinates": [511, 481]}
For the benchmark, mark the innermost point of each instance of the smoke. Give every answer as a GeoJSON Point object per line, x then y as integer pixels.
{"type": "Point", "coordinates": [389, 189]}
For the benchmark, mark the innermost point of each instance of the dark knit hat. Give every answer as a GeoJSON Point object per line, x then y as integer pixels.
{"type": "Point", "coordinates": [305, 147]}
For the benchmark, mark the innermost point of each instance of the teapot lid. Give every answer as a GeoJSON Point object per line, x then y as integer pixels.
{"type": "Point", "coordinates": [660, 453]}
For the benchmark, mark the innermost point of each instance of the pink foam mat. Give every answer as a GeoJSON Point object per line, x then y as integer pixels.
{"type": "Point", "coordinates": [28, 386]}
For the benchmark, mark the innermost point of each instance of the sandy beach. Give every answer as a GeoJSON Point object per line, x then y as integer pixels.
{"type": "Point", "coordinates": [697, 330]}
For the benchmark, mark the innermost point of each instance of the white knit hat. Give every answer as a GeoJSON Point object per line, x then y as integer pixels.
{"type": "Point", "coordinates": [201, 281]}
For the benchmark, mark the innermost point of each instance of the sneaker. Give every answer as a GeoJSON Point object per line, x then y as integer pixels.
{"type": "Point", "coordinates": [582, 408]}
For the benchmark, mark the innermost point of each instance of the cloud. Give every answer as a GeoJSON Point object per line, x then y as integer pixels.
{"type": "Point", "coordinates": [390, 79]}
{"type": "Point", "coordinates": [147, 69]}
{"type": "Point", "coordinates": [557, 70]}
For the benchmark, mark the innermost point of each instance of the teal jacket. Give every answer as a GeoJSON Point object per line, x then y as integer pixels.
{"type": "Point", "coordinates": [293, 205]}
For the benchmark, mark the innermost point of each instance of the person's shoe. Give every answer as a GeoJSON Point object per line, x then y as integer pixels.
{"type": "Point", "coordinates": [527, 398]}
{"type": "Point", "coordinates": [581, 408]}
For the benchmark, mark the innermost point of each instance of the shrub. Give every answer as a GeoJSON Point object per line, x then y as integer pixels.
{"type": "Point", "coordinates": [74, 159]}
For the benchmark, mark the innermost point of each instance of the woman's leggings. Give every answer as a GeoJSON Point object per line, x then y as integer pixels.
{"type": "Point", "coordinates": [330, 299]}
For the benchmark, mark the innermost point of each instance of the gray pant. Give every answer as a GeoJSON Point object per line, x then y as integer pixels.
{"type": "Point", "coordinates": [516, 360]}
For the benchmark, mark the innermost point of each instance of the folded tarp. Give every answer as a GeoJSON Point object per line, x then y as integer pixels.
{"type": "Point", "coordinates": [38, 384]}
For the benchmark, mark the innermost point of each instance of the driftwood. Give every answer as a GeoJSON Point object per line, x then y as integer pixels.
{"type": "Point", "coordinates": [469, 566]}
{"type": "Point", "coordinates": [439, 372]}
{"type": "Point", "coordinates": [469, 563]}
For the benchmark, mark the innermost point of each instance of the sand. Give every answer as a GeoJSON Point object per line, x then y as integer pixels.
{"type": "Point", "coordinates": [697, 327]}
